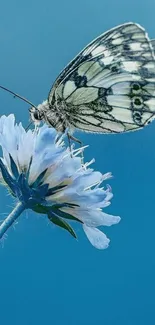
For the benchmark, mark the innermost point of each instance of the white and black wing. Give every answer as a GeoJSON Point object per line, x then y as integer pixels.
{"type": "Point", "coordinates": [153, 44]}
{"type": "Point", "coordinates": [110, 86]}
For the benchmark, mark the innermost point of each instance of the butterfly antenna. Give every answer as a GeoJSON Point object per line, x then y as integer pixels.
{"type": "Point", "coordinates": [18, 96]}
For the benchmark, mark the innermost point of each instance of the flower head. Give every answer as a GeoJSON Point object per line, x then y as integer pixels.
{"type": "Point", "coordinates": [41, 174]}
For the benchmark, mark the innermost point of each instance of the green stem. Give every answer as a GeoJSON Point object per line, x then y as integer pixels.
{"type": "Point", "coordinates": [11, 218]}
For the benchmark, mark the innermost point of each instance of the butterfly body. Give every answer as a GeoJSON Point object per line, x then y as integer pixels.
{"type": "Point", "coordinates": [108, 88]}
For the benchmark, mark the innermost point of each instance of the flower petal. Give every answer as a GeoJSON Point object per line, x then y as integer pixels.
{"type": "Point", "coordinates": [86, 199]}
{"type": "Point", "coordinates": [46, 138]}
{"type": "Point", "coordinates": [87, 179]}
{"type": "Point", "coordinates": [8, 138]}
{"type": "Point", "coordinates": [26, 140]}
{"type": "Point", "coordinates": [64, 170]}
{"type": "Point", "coordinates": [96, 237]}
{"type": "Point", "coordinates": [92, 217]}
{"type": "Point", "coordinates": [46, 153]}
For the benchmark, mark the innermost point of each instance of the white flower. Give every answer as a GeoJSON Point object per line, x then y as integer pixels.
{"type": "Point", "coordinates": [42, 175]}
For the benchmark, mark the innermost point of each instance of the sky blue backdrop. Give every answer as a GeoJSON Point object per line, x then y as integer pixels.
{"type": "Point", "coordinates": [46, 277]}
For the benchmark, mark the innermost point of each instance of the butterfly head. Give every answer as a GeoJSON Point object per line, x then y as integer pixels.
{"type": "Point", "coordinates": [37, 113]}
{"type": "Point", "coordinates": [50, 115]}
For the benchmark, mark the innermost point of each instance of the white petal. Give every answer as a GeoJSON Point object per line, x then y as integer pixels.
{"type": "Point", "coordinates": [92, 217]}
{"type": "Point", "coordinates": [63, 171]}
{"type": "Point", "coordinates": [87, 179]}
{"type": "Point", "coordinates": [16, 142]}
{"type": "Point", "coordinates": [96, 237]}
{"type": "Point", "coordinates": [46, 138]}
{"type": "Point", "coordinates": [88, 199]}
{"type": "Point", "coordinates": [46, 153]}
{"type": "Point", "coordinates": [25, 148]}
{"type": "Point", "coordinates": [8, 136]}
{"type": "Point", "coordinates": [6, 122]}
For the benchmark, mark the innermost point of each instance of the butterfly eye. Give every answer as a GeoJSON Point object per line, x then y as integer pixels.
{"type": "Point", "coordinates": [37, 115]}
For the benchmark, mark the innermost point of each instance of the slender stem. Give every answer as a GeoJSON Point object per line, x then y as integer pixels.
{"type": "Point", "coordinates": [11, 218]}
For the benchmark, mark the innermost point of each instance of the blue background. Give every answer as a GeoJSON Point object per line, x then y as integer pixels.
{"type": "Point", "coordinates": [47, 277]}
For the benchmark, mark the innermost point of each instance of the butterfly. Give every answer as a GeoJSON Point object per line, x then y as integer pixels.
{"type": "Point", "coordinates": [109, 87]}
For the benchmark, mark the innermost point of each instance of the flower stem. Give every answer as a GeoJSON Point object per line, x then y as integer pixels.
{"type": "Point", "coordinates": [11, 218]}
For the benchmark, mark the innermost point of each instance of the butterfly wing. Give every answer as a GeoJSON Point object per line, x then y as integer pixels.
{"type": "Point", "coordinates": [153, 44]}
{"type": "Point", "coordinates": [110, 85]}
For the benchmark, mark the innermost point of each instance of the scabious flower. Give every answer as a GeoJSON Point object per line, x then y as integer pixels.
{"type": "Point", "coordinates": [41, 174]}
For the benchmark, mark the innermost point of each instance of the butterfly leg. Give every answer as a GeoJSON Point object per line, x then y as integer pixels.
{"type": "Point", "coordinates": [71, 137]}
{"type": "Point", "coordinates": [69, 142]}
{"type": "Point", "coordinates": [28, 126]}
